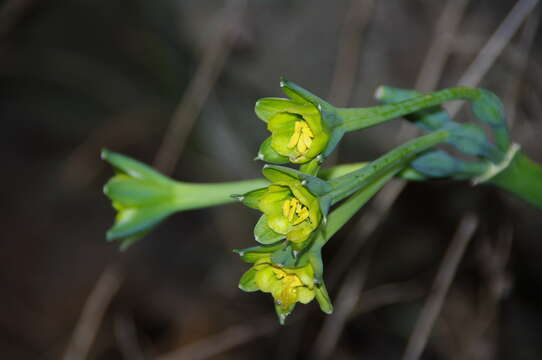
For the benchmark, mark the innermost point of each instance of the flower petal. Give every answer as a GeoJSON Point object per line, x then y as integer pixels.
{"type": "Point", "coordinates": [264, 234]}
{"type": "Point", "coordinates": [248, 281]}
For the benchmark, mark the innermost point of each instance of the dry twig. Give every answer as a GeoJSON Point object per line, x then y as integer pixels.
{"type": "Point", "coordinates": [443, 280]}
{"type": "Point", "coordinates": [213, 60]}
{"type": "Point", "coordinates": [92, 314]}
{"type": "Point", "coordinates": [494, 47]}
{"type": "Point", "coordinates": [521, 61]}
{"type": "Point", "coordinates": [357, 19]}
{"type": "Point", "coordinates": [225, 340]}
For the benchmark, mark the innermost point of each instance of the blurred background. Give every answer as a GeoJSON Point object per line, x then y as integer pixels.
{"type": "Point", "coordinates": [173, 83]}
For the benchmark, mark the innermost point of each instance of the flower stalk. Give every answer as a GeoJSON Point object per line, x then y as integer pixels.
{"type": "Point", "coordinates": [522, 177]}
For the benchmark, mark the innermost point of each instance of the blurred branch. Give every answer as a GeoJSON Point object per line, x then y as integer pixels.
{"type": "Point", "coordinates": [225, 340]}
{"type": "Point", "coordinates": [92, 314]}
{"type": "Point", "coordinates": [494, 47]}
{"type": "Point", "coordinates": [81, 168]}
{"type": "Point", "coordinates": [521, 61]}
{"type": "Point", "coordinates": [493, 262]}
{"type": "Point", "coordinates": [381, 205]}
{"type": "Point", "coordinates": [441, 45]}
{"type": "Point", "coordinates": [214, 57]}
{"type": "Point", "coordinates": [388, 294]}
{"type": "Point", "coordinates": [347, 299]}
{"type": "Point", "coordinates": [443, 280]}
{"type": "Point", "coordinates": [357, 19]}
{"type": "Point", "coordinates": [126, 335]}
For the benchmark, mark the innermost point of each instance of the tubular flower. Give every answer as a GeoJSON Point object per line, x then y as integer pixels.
{"type": "Point", "coordinates": [298, 131]}
{"type": "Point", "coordinates": [143, 197]}
{"type": "Point", "coordinates": [288, 286]}
{"type": "Point", "coordinates": [289, 209]}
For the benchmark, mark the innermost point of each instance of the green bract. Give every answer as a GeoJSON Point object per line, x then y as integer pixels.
{"type": "Point", "coordinates": [301, 127]}
{"type": "Point", "coordinates": [287, 285]}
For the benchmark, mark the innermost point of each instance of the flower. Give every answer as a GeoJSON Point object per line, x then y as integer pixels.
{"type": "Point", "coordinates": [290, 209]}
{"type": "Point", "coordinates": [288, 286]}
{"type": "Point", "coordinates": [299, 128]}
{"type": "Point", "coordinates": [143, 197]}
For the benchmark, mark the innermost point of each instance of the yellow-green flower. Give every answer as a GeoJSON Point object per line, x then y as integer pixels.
{"type": "Point", "coordinates": [288, 286]}
{"type": "Point", "coordinates": [143, 197]}
{"type": "Point", "coordinates": [289, 209]}
{"type": "Point", "coordinates": [298, 130]}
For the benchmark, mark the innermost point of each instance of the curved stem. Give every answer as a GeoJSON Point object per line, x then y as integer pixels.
{"type": "Point", "coordinates": [350, 183]}
{"type": "Point", "coordinates": [359, 118]}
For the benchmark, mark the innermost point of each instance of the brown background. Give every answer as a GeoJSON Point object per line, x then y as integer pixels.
{"type": "Point", "coordinates": [77, 75]}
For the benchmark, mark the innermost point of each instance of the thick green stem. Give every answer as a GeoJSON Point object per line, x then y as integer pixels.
{"type": "Point", "coordinates": [196, 196]}
{"type": "Point", "coordinates": [359, 118]}
{"type": "Point", "coordinates": [522, 177]}
{"type": "Point", "coordinates": [350, 183]}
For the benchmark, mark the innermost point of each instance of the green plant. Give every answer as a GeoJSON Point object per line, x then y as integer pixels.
{"type": "Point", "coordinates": [303, 208]}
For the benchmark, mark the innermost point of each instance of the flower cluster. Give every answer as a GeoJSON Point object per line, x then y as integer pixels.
{"type": "Point", "coordinates": [297, 218]}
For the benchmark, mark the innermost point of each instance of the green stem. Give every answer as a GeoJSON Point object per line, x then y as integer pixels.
{"type": "Point", "coordinates": [350, 183]}
{"type": "Point", "coordinates": [359, 118]}
{"type": "Point", "coordinates": [522, 177]}
{"type": "Point", "coordinates": [196, 196]}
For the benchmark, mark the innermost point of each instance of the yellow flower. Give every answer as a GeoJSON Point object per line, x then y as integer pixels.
{"type": "Point", "coordinates": [290, 209]}
{"type": "Point", "coordinates": [287, 286]}
{"type": "Point", "coordinates": [298, 130]}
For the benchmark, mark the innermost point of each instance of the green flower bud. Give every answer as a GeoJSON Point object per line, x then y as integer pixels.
{"type": "Point", "coordinates": [143, 197]}
{"type": "Point", "coordinates": [288, 286]}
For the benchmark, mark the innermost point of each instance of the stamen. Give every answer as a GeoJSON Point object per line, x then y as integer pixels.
{"type": "Point", "coordinates": [286, 208]}
{"type": "Point", "coordinates": [301, 147]}
{"type": "Point", "coordinates": [294, 139]}
{"type": "Point", "coordinates": [293, 205]}
{"type": "Point", "coordinates": [301, 138]}
{"type": "Point", "coordinates": [307, 131]}
{"type": "Point", "coordinates": [304, 214]}
{"type": "Point", "coordinates": [294, 211]}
